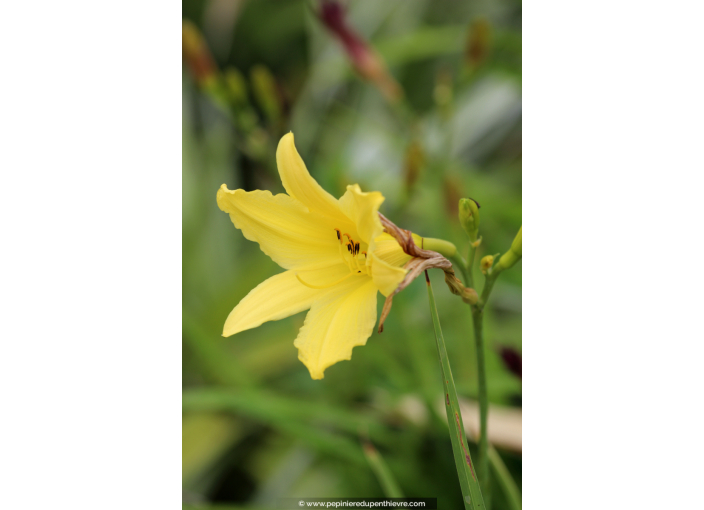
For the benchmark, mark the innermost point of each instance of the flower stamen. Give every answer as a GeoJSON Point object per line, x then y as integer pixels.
{"type": "Point", "coordinates": [353, 247]}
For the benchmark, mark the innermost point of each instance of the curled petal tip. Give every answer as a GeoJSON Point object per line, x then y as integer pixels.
{"type": "Point", "coordinates": [287, 139]}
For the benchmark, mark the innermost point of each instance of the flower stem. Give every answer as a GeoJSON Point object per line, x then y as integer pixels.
{"type": "Point", "coordinates": [470, 265]}
{"type": "Point", "coordinates": [513, 495]}
{"type": "Point", "coordinates": [458, 261]}
{"type": "Point", "coordinates": [471, 492]}
{"type": "Point", "coordinates": [381, 470]}
{"type": "Point", "coordinates": [487, 454]}
{"type": "Point", "coordinates": [488, 286]}
{"type": "Point", "coordinates": [482, 459]}
{"type": "Point", "coordinates": [478, 326]}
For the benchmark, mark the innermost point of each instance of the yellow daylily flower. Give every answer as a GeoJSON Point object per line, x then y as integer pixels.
{"type": "Point", "coordinates": [336, 257]}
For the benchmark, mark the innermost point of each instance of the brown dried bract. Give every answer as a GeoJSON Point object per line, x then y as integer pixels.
{"type": "Point", "coordinates": [421, 261]}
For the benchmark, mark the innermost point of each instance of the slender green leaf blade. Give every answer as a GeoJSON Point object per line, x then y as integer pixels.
{"type": "Point", "coordinates": [471, 492]}
{"type": "Point", "coordinates": [381, 470]}
{"type": "Point", "coordinates": [513, 495]}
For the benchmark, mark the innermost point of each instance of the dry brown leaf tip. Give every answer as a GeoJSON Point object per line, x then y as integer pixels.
{"type": "Point", "coordinates": [421, 261]}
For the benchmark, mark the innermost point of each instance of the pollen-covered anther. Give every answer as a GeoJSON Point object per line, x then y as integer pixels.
{"type": "Point", "coordinates": [353, 247]}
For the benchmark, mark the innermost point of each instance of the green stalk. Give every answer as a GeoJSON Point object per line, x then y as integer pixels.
{"type": "Point", "coordinates": [471, 492]}
{"type": "Point", "coordinates": [478, 326]}
{"type": "Point", "coordinates": [470, 265]}
{"type": "Point", "coordinates": [381, 470]}
{"type": "Point", "coordinates": [487, 454]}
{"type": "Point", "coordinates": [458, 262]}
{"type": "Point", "coordinates": [488, 285]}
{"type": "Point", "coordinates": [513, 495]}
{"type": "Point", "coordinates": [482, 458]}
{"type": "Point", "coordinates": [483, 441]}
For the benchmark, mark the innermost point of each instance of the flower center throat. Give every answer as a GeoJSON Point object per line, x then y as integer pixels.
{"type": "Point", "coordinates": [353, 256]}
{"type": "Point", "coordinates": [355, 259]}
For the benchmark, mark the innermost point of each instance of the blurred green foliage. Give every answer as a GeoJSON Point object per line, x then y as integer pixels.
{"type": "Point", "coordinates": [255, 426]}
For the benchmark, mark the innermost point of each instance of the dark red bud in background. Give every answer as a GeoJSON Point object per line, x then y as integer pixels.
{"type": "Point", "coordinates": [512, 360]}
{"type": "Point", "coordinates": [367, 63]}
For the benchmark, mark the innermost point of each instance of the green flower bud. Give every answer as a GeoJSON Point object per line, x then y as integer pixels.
{"type": "Point", "coordinates": [197, 56]}
{"type": "Point", "coordinates": [486, 263]}
{"type": "Point", "coordinates": [467, 294]}
{"type": "Point", "coordinates": [513, 255]}
{"type": "Point", "coordinates": [479, 42]}
{"type": "Point", "coordinates": [469, 217]}
{"type": "Point", "coordinates": [413, 163]}
{"type": "Point", "coordinates": [236, 87]}
{"type": "Point", "coordinates": [264, 88]}
{"type": "Point", "coordinates": [517, 244]}
{"type": "Point", "coordinates": [444, 248]}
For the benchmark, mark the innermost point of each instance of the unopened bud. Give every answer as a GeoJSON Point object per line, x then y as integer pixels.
{"type": "Point", "coordinates": [467, 294]}
{"type": "Point", "coordinates": [517, 244]}
{"type": "Point", "coordinates": [469, 217]}
{"type": "Point", "coordinates": [367, 63]}
{"type": "Point", "coordinates": [513, 255]}
{"type": "Point", "coordinates": [486, 263]}
{"type": "Point", "coordinates": [442, 93]}
{"type": "Point", "coordinates": [512, 360]}
{"type": "Point", "coordinates": [413, 164]}
{"type": "Point", "coordinates": [236, 87]}
{"type": "Point", "coordinates": [264, 87]}
{"type": "Point", "coordinates": [478, 42]}
{"type": "Point", "coordinates": [197, 55]}
{"type": "Point", "coordinates": [444, 248]}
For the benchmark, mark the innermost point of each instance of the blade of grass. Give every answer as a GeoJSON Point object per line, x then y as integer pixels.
{"type": "Point", "coordinates": [268, 407]}
{"type": "Point", "coordinates": [215, 364]}
{"type": "Point", "coordinates": [307, 421]}
{"type": "Point", "coordinates": [381, 470]}
{"type": "Point", "coordinates": [513, 495]}
{"type": "Point", "coordinates": [471, 492]}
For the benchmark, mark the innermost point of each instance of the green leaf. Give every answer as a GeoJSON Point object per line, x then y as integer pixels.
{"type": "Point", "coordinates": [381, 470]}
{"type": "Point", "coordinates": [513, 495]}
{"type": "Point", "coordinates": [303, 420]}
{"type": "Point", "coordinates": [471, 493]}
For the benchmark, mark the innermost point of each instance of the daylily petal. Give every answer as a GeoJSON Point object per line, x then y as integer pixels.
{"type": "Point", "coordinates": [342, 319]}
{"type": "Point", "coordinates": [326, 277]}
{"type": "Point", "coordinates": [309, 233]}
{"type": "Point", "coordinates": [277, 298]}
{"type": "Point", "coordinates": [385, 276]}
{"type": "Point", "coordinates": [388, 250]}
{"type": "Point", "coordinates": [299, 184]}
{"type": "Point", "coordinates": [363, 209]}
{"type": "Point", "coordinates": [286, 231]}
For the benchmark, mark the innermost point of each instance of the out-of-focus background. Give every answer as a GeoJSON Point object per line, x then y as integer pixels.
{"type": "Point", "coordinates": [418, 99]}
